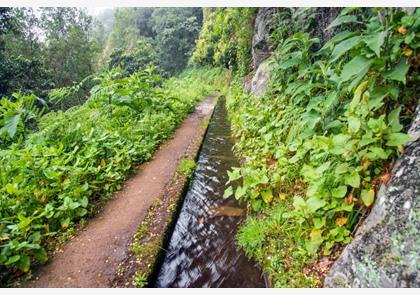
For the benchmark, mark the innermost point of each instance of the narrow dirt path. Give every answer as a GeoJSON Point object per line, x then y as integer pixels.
{"type": "Point", "coordinates": [91, 258]}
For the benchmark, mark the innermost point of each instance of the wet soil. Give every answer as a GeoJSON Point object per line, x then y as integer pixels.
{"type": "Point", "coordinates": [91, 258]}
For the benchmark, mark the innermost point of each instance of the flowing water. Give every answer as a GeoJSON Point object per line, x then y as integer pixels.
{"type": "Point", "coordinates": [202, 251]}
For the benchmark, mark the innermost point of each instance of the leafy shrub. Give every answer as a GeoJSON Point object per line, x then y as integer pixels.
{"type": "Point", "coordinates": [330, 123]}
{"type": "Point", "coordinates": [79, 157]}
{"type": "Point", "coordinates": [18, 117]}
{"type": "Point", "coordinates": [225, 39]}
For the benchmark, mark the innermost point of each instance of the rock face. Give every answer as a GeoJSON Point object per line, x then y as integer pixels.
{"type": "Point", "coordinates": [261, 49]}
{"type": "Point", "coordinates": [386, 249]}
{"type": "Point", "coordinates": [261, 79]}
{"type": "Point", "coordinates": [260, 41]}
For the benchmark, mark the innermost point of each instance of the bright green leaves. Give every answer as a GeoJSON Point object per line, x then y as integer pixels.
{"type": "Point", "coordinates": [352, 179]}
{"type": "Point", "coordinates": [341, 48]}
{"type": "Point", "coordinates": [11, 124]}
{"type": "Point", "coordinates": [342, 19]}
{"type": "Point", "coordinates": [329, 126]}
{"type": "Point", "coordinates": [394, 120]}
{"type": "Point", "coordinates": [314, 203]}
{"type": "Point", "coordinates": [228, 192]}
{"type": "Point", "coordinates": [240, 192]}
{"type": "Point", "coordinates": [299, 203]}
{"type": "Point", "coordinates": [356, 68]}
{"type": "Point", "coordinates": [375, 41]}
{"type": "Point", "coordinates": [399, 71]}
{"type": "Point", "coordinates": [354, 124]}
{"type": "Point", "coordinates": [339, 192]}
{"type": "Point", "coordinates": [396, 139]}
{"type": "Point", "coordinates": [79, 157]}
{"type": "Point", "coordinates": [267, 196]}
{"type": "Point", "coordinates": [368, 197]}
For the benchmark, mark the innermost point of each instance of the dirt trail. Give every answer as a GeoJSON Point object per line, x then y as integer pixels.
{"type": "Point", "coordinates": [91, 258]}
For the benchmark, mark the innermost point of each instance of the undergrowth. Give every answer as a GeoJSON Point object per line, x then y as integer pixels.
{"type": "Point", "coordinates": [54, 177]}
{"type": "Point", "coordinates": [323, 136]}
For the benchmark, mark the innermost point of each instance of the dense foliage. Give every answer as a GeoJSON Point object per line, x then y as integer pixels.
{"type": "Point", "coordinates": [169, 34]}
{"type": "Point", "coordinates": [226, 39]}
{"type": "Point", "coordinates": [317, 145]}
{"type": "Point", "coordinates": [59, 174]}
{"type": "Point", "coordinates": [44, 50]}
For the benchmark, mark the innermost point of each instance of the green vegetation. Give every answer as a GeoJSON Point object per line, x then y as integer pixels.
{"type": "Point", "coordinates": [44, 50]}
{"type": "Point", "coordinates": [320, 139]}
{"type": "Point", "coordinates": [226, 38]}
{"type": "Point", "coordinates": [83, 101]}
{"type": "Point", "coordinates": [59, 174]}
{"type": "Point", "coordinates": [186, 167]}
{"type": "Point", "coordinates": [164, 37]}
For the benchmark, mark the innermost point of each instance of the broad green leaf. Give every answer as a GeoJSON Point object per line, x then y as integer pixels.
{"type": "Point", "coordinates": [352, 179]}
{"type": "Point", "coordinates": [342, 168]}
{"type": "Point", "coordinates": [339, 192]}
{"type": "Point", "coordinates": [344, 46]}
{"type": "Point", "coordinates": [375, 41]}
{"type": "Point", "coordinates": [256, 204]}
{"type": "Point", "coordinates": [337, 38]}
{"type": "Point", "coordinates": [11, 124]}
{"type": "Point", "coordinates": [342, 19]}
{"type": "Point", "coordinates": [358, 95]}
{"type": "Point", "coordinates": [299, 203]}
{"type": "Point", "coordinates": [24, 263]}
{"type": "Point", "coordinates": [234, 174]}
{"type": "Point", "coordinates": [315, 203]}
{"type": "Point", "coordinates": [368, 197]}
{"type": "Point", "coordinates": [267, 196]}
{"type": "Point", "coordinates": [315, 241]}
{"type": "Point", "coordinates": [379, 152]}
{"type": "Point", "coordinates": [41, 255]}
{"type": "Point", "coordinates": [395, 139]}
{"type": "Point", "coordinates": [394, 120]}
{"type": "Point", "coordinates": [354, 124]}
{"type": "Point", "coordinates": [355, 66]}
{"type": "Point", "coordinates": [319, 222]}
{"type": "Point", "coordinates": [240, 192]}
{"type": "Point", "coordinates": [12, 259]}
{"type": "Point", "coordinates": [376, 99]}
{"type": "Point", "coordinates": [228, 192]}
{"type": "Point", "coordinates": [309, 172]}
{"type": "Point", "coordinates": [340, 139]}
{"type": "Point", "coordinates": [399, 72]}
{"type": "Point", "coordinates": [290, 63]}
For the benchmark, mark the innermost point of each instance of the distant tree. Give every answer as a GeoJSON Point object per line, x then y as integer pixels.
{"type": "Point", "coordinates": [69, 49]}
{"type": "Point", "coordinates": [22, 63]}
{"type": "Point", "coordinates": [135, 59]}
{"type": "Point", "coordinates": [176, 30]}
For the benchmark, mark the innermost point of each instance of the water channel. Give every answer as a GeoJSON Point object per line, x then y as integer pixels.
{"type": "Point", "coordinates": [202, 250]}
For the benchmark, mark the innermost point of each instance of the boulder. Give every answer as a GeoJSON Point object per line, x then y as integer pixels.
{"type": "Point", "coordinates": [261, 79]}
{"type": "Point", "coordinates": [386, 249]}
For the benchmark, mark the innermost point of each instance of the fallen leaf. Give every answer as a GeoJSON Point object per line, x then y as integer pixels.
{"type": "Point", "coordinates": [402, 30]}
{"type": "Point", "coordinates": [385, 177]}
{"type": "Point", "coordinates": [341, 221]}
